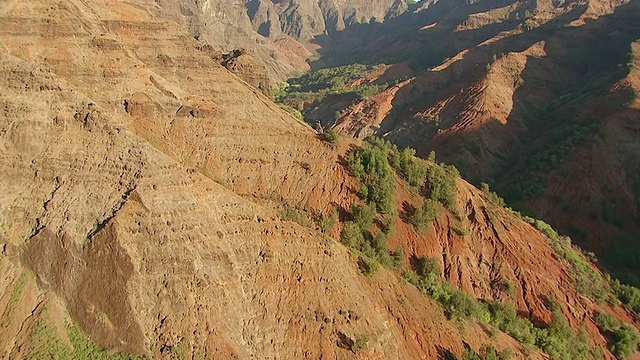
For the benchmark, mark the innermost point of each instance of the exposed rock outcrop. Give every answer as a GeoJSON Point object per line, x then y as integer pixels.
{"type": "Point", "coordinates": [243, 64]}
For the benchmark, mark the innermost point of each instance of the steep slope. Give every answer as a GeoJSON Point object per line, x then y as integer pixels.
{"type": "Point", "coordinates": [140, 187]}
{"type": "Point", "coordinates": [521, 95]}
{"type": "Point", "coordinates": [282, 34]}
{"type": "Point", "coordinates": [152, 258]}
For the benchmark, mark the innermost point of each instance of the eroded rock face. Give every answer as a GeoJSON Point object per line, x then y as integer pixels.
{"type": "Point", "coordinates": [140, 182]}
{"type": "Point", "coordinates": [279, 34]}
{"type": "Point", "coordinates": [247, 67]}
{"type": "Point", "coordinates": [304, 20]}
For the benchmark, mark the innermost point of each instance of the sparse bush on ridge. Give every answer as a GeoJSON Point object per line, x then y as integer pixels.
{"type": "Point", "coordinates": [626, 340]}
{"type": "Point", "coordinates": [289, 213]}
{"type": "Point", "coordinates": [370, 165]}
{"type": "Point", "coordinates": [368, 266]}
{"type": "Point", "coordinates": [625, 337]}
{"type": "Point", "coordinates": [363, 215]}
{"type": "Point", "coordinates": [587, 280]}
{"type": "Point", "coordinates": [327, 221]}
{"type": "Point", "coordinates": [629, 295]}
{"type": "Point", "coordinates": [424, 215]}
{"type": "Point", "coordinates": [441, 185]}
{"type": "Point", "coordinates": [360, 344]}
{"type": "Point", "coordinates": [293, 111]}
{"type": "Point", "coordinates": [331, 136]}
{"type": "Point", "coordinates": [351, 235]}
{"type": "Point", "coordinates": [557, 339]}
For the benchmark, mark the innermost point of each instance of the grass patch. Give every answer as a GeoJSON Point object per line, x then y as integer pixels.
{"type": "Point", "coordinates": [16, 294]}
{"type": "Point", "coordinates": [289, 213]}
{"type": "Point", "coordinates": [46, 344]}
{"type": "Point", "coordinates": [360, 344]}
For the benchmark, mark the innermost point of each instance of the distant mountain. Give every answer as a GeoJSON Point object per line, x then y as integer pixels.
{"type": "Point", "coordinates": [280, 33]}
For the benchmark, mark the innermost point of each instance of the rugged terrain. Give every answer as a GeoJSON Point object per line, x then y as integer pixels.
{"type": "Point", "coordinates": [283, 35]}
{"type": "Point", "coordinates": [539, 99]}
{"type": "Point", "coordinates": [140, 197]}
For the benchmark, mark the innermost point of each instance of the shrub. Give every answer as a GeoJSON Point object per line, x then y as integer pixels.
{"type": "Point", "coordinates": [370, 165]}
{"type": "Point", "coordinates": [625, 337]}
{"type": "Point", "coordinates": [424, 215]}
{"type": "Point", "coordinates": [469, 354]}
{"type": "Point", "coordinates": [410, 276]}
{"type": "Point", "coordinates": [494, 199]}
{"type": "Point", "coordinates": [411, 169]}
{"type": "Point", "coordinates": [587, 280]}
{"type": "Point", "coordinates": [505, 318]}
{"type": "Point", "coordinates": [386, 225]}
{"type": "Point", "coordinates": [327, 221]}
{"type": "Point", "coordinates": [605, 321]}
{"type": "Point", "coordinates": [293, 111]}
{"type": "Point", "coordinates": [560, 342]}
{"type": "Point", "coordinates": [331, 136]}
{"type": "Point", "coordinates": [360, 344]}
{"type": "Point", "coordinates": [629, 295]}
{"type": "Point", "coordinates": [488, 352]}
{"type": "Point", "coordinates": [368, 266]}
{"type": "Point", "coordinates": [626, 340]}
{"type": "Point", "coordinates": [397, 257]}
{"type": "Point", "coordinates": [363, 215]}
{"type": "Point", "coordinates": [441, 185]}
{"type": "Point", "coordinates": [289, 213]}
{"type": "Point", "coordinates": [415, 173]}
{"type": "Point", "coordinates": [351, 235]}
{"type": "Point", "coordinates": [425, 266]}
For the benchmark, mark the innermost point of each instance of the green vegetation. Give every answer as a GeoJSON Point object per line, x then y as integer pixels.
{"type": "Point", "coordinates": [493, 198]}
{"type": "Point", "coordinates": [370, 165]}
{"type": "Point", "coordinates": [557, 339]}
{"type": "Point", "coordinates": [490, 353]}
{"type": "Point", "coordinates": [441, 185]}
{"type": "Point", "coordinates": [410, 169]}
{"type": "Point", "coordinates": [357, 234]}
{"type": "Point", "coordinates": [47, 344]}
{"type": "Point", "coordinates": [289, 213]}
{"type": "Point", "coordinates": [560, 342]}
{"type": "Point", "coordinates": [360, 344]}
{"type": "Point", "coordinates": [629, 295]}
{"type": "Point", "coordinates": [319, 84]}
{"type": "Point", "coordinates": [331, 136]}
{"type": "Point", "coordinates": [456, 303]}
{"type": "Point", "coordinates": [327, 221]}
{"type": "Point", "coordinates": [587, 279]}
{"type": "Point", "coordinates": [554, 153]}
{"type": "Point", "coordinates": [280, 91]}
{"type": "Point", "coordinates": [295, 112]}
{"type": "Point", "coordinates": [363, 215]}
{"type": "Point", "coordinates": [424, 215]}
{"type": "Point", "coordinates": [351, 235]}
{"type": "Point", "coordinates": [486, 353]}
{"type": "Point", "coordinates": [16, 294]}
{"type": "Point", "coordinates": [368, 266]}
{"type": "Point", "coordinates": [625, 338]}
{"type": "Point", "coordinates": [505, 317]}
{"type": "Point", "coordinates": [330, 78]}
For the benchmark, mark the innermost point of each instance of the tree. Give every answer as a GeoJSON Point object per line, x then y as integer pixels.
{"type": "Point", "coordinates": [424, 215]}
